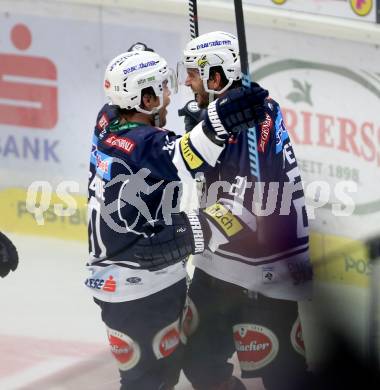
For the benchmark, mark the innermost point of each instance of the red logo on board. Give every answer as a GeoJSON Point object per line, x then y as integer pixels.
{"type": "Point", "coordinates": [27, 86]}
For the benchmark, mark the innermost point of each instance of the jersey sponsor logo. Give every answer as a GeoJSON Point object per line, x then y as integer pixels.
{"type": "Point", "coordinates": [256, 346]}
{"type": "Point", "coordinates": [102, 161]}
{"type": "Point", "coordinates": [296, 337]}
{"type": "Point", "coordinates": [122, 143]}
{"type": "Point", "coordinates": [133, 280]}
{"type": "Point", "coordinates": [103, 122]}
{"type": "Point", "coordinates": [108, 285]}
{"type": "Point", "coordinates": [265, 132]}
{"type": "Point", "coordinates": [125, 350]}
{"type": "Point", "coordinates": [224, 218]}
{"type": "Point", "coordinates": [102, 165]}
{"type": "Point", "coordinates": [192, 160]}
{"type": "Point", "coordinates": [281, 132]}
{"type": "Point", "coordinates": [94, 283]}
{"type": "Point", "coordinates": [166, 341]}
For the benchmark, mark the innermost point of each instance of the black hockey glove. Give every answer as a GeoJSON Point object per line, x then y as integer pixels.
{"type": "Point", "coordinates": [240, 109]}
{"type": "Point", "coordinates": [192, 113]}
{"type": "Point", "coordinates": [8, 256]}
{"type": "Point", "coordinates": [170, 244]}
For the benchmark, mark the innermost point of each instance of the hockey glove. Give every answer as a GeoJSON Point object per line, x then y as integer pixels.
{"type": "Point", "coordinates": [192, 113]}
{"type": "Point", "coordinates": [240, 109]}
{"type": "Point", "coordinates": [170, 244]}
{"type": "Point", "coordinates": [8, 256]}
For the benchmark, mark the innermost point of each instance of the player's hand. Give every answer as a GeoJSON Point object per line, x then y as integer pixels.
{"type": "Point", "coordinates": [240, 109]}
{"type": "Point", "coordinates": [8, 256]}
{"type": "Point", "coordinates": [169, 244]}
{"type": "Point", "coordinates": [192, 113]}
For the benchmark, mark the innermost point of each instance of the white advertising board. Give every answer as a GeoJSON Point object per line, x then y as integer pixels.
{"type": "Point", "coordinates": [363, 10]}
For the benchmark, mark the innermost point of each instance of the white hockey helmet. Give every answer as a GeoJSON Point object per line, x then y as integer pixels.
{"type": "Point", "coordinates": [216, 48]}
{"type": "Point", "coordinates": [131, 72]}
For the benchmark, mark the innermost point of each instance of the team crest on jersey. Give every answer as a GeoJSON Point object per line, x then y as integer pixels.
{"type": "Point", "coordinates": [125, 350]}
{"type": "Point", "coordinates": [166, 341]}
{"type": "Point", "coordinates": [256, 346]}
{"type": "Point", "coordinates": [296, 338]}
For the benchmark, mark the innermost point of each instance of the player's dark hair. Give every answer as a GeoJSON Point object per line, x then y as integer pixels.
{"type": "Point", "coordinates": [148, 91]}
{"type": "Point", "coordinates": [224, 80]}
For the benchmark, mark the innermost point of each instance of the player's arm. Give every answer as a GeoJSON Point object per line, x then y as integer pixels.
{"type": "Point", "coordinates": [199, 150]}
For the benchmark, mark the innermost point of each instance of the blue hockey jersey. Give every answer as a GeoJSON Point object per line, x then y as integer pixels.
{"type": "Point", "coordinates": [134, 177]}
{"type": "Point", "coordinates": [267, 249]}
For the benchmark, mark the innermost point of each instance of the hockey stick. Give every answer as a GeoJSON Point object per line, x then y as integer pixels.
{"type": "Point", "coordinates": [193, 17]}
{"type": "Point", "coordinates": [252, 139]}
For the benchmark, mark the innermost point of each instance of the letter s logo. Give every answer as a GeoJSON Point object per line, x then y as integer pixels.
{"type": "Point", "coordinates": [27, 95]}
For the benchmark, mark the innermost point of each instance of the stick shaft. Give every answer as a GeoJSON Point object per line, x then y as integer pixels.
{"type": "Point", "coordinates": [246, 79]}
{"type": "Point", "coordinates": [193, 17]}
{"type": "Point", "coordinates": [239, 16]}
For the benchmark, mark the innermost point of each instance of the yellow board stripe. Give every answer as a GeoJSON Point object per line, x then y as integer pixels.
{"type": "Point", "coordinates": [16, 218]}
{"type": "Point", "coordinates": [339, 259]}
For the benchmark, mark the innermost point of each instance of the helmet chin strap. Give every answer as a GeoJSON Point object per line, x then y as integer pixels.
{"type": "Point", "coordinates": [156, 118]}
{"type": "Point", "coordinates": [211, 96]}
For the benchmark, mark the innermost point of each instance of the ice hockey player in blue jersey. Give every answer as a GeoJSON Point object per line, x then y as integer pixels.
{"type": "Point", "coordinates": [245, 286]}
{"type": "Point", "coordinates": [137, 266]}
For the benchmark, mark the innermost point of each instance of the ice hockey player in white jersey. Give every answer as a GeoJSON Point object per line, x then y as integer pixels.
{"type": "Point", "coordinates": [245, 286]}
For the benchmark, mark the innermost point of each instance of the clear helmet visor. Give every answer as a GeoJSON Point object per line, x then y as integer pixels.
{"type": "Point", "coordinates": [187, 71]}
{"type": "Point", "coordinates": [181, 72]}
{"type": "Point", "coordinates": [172, 81]}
